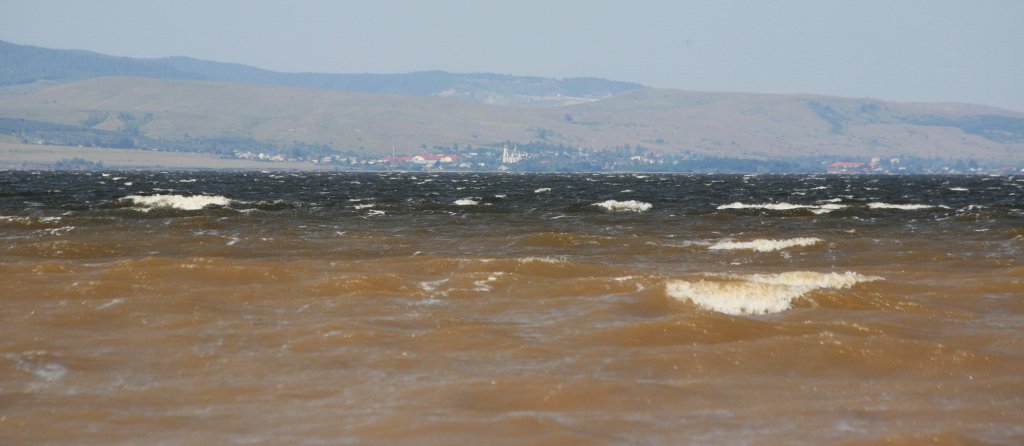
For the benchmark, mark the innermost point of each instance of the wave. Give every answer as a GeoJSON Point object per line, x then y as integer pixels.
{"type": "Point", "coordinates": [759, 293]}
{"type": "Point", "coordinates": [766, 245]}
{"type": "Point", "coordinates": [466, 202]}
{"type": "Point", "coordinates": [904, 207]}
{"type": "Point", "coordinates": [31, 222]}
{"type": "Point", "coordinates": [625, 206]}
{"type": "Point", "coordinates": [818, 209]}
{"type": "Point", "coordinates": [181, 202]}
{"type": "Point", "coordinates": [542, 190]}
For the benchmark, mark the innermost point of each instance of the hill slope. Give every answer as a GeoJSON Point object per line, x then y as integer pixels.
{"type": "Point", "coordinates": [723, 124]}
{"type": "Point", "coordinates": [21, 64]}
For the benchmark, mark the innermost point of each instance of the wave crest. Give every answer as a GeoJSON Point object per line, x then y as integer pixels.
{"type": "Point", "coordinates": [818, 209]}
{"type": "Point", "coordinates": [624, 206]}
{"type": "Point", "coordinates": [903, 207]}
{"type": "Point", "coordinates": [766, 245]}
{"type": "Point", "coordinates": [181, 202]}
{"type": "Point", "coordinates": [759, 293]}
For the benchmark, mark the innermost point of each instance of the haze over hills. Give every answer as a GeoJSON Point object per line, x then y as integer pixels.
{"type": "Point", "coordinates": [171, 103]}
{"type": "Point", "coordinates": [26, 64]}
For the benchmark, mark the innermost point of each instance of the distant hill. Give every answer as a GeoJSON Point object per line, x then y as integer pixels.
{"type": "Point", "coordinates": [668, 121]}
{"type": "Point", "coordinates": [22, 64]}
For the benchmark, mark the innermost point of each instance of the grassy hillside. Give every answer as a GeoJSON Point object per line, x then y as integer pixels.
{"type": "Point", "coordinates": [23, 64]}
{"type": "Point", "coordinates": [723, 124]}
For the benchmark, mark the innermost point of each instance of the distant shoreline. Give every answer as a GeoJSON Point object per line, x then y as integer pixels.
{"type": "Point", "coordinates": [18, 156]}
{"type": "Point", "coordinates": [33, 156]}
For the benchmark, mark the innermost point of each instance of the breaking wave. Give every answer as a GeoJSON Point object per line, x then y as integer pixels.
{"type": "Point", "coordinates": [766, 245]}
{"type": "Point", "coordinates": [466, 202]}
{"type": "Point", "coordinates": [759, 293]}
{"type": "Point", "coordinates": [624, 206]}
{"type": "Point", "coordinates": [181, 202]}
{"type": "Point", "coordinates": [818, 209]}
{"type": "Point", "coordinates": [904, 207]}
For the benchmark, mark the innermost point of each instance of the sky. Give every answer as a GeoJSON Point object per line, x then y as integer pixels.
{"type": "Point", "coordinates": [908, 50]}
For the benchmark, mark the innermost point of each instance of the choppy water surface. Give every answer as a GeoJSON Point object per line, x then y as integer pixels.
{"type": "Point", "coordinates": [240, 308]}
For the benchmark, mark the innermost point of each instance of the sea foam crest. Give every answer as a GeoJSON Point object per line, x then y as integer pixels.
{"type": "Point", "coordinates": [625, 206]}
{"type": "Point", "coordinates": [765, 245]}
{"type": "Point", "coordinates": [759, 293]}
{"type": "Point", "coordinates": [182, 202]}
{"type": "Point", "coordinates": [819, 209]}
{"type": "Point", "coordinates": [904, 207]}
{"type": "Point", "coordinates": [466, 202]}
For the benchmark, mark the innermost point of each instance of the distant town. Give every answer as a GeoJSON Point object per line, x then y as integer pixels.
{"type": "Point", "coordinates": [548, 158]}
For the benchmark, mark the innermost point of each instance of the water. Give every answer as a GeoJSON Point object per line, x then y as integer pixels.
{"type": "Point", "coordinates": [311, 308]}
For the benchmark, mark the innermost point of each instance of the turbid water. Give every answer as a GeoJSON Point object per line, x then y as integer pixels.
{"type": "Point", "coordinates": [436, 309]}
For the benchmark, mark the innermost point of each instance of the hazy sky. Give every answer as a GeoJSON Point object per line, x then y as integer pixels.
{"type": "Point", "coordinates": [927, 50]}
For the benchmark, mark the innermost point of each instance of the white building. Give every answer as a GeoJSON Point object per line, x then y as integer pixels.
{"type": "Point", "coordinates": [512, 156]}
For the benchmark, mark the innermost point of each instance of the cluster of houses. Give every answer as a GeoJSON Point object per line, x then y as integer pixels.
{"type": "Point", "coordinates": [424, 160]}
{"type": "Point", "coordinates": [875, 166]}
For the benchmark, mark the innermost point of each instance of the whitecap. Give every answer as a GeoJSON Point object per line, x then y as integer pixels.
{"type": "Point", "coordinates": [826, 208]}
{"type": "Point", "coordinates": [820, 209]}
{"type": "Point", "coordinates": [769, 206]}
{"type": "Point", "coordinates": [182, 202]}
{"type": "Point", "coordinates": [466, 202]}
{"type": "Point", "coordinates": [904, 207]}
{"type": "Point", "coordinates": [759, 293]}
{"type": "Point", "coordinates": [765, 245]}
{"type": "Point", "coordinates": [542, 190]}
{"type": "Point", "coordinates": [959, 189]}
{"type": "Point", "coordinates": [624, 206]}
{"type": "Point", "coordinates": [363, 206]}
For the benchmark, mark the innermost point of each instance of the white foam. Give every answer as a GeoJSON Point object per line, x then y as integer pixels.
{"type": "Point", "coordinates": [182, 202]}
{"type": "Point", "coordinates": [36, 363]}
{"type": "Point", "coordinates": [111, 303]}
{"type": "Point", "coordinates": [820, 209]}
{"type": "Point", "coordinates": [363, 206]}
{"type": "Point", "coordinates": [625, 206]}
{"type": "Point", "coordinates": [826, 208]}
{"type": "Point", "coordinates": [959, 189]}
{"type": "Point", "coordinates": [769, 206]}
{"type": "Point", "coordinates": [542, 190]}
{"type": "Point", "coordinates": [904, 207]}
{"type": "Point", "coordinates": [766, 245]}
{"type": "Point", "coordinates": [466, 202]}
{"type": "Point", "coordinates": [551, 260]}
{"type": "Point", "coordinates": [759, 293]}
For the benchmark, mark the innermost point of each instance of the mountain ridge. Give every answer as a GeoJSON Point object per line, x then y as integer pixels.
{"type": "Point", "coordinates": [667, 121]}
{"type": "Point", "coordinates": [25, 64]}
{"type": "Point", "coordinates": [174, 100]}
